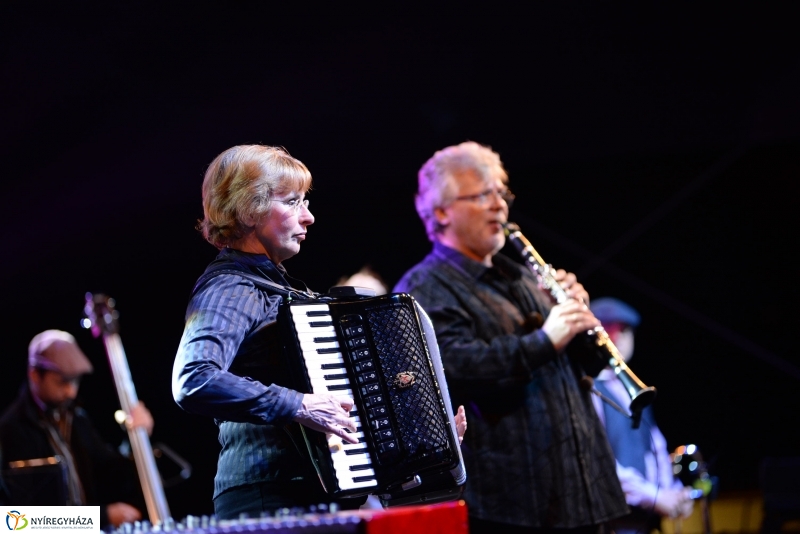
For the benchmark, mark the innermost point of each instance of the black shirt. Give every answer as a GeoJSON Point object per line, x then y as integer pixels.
{"type": "Point", "coordinates": [536, 453]}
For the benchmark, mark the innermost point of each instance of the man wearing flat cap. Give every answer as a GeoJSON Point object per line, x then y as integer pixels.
{"type": "Point", "coordinates": [44, 422]}
{"type": "Point", "coordinates": [644, 466]}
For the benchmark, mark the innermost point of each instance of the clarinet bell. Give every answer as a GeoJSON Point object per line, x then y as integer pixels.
{"type": "Point", "coordinates": [641, 395]}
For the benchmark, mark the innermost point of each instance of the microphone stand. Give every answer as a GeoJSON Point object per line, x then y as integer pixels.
{"type": "Point", "coordinates": [587, 383]}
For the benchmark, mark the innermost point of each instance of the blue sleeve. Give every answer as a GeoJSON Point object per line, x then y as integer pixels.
{"type": "Point", "coordinates": [218, 318]}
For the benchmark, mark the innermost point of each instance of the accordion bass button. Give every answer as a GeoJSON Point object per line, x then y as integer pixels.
{"type": "Point", "coordinates": [387, 450]}
{"type": "Point", "coordinates": [370, 389]}
{"type": "Point", "coordinates": [384, 435]}
{"type": "Point", "coordinates": [379, 424]}
{"type": "Point", "coordinates": [373, 400]}
{"type": "Point", "coordinates": [387, 446]}
{"type": "Point", "coordinates": [360, 354]}
{"type": "Point", "coordinates": [357, 342]}
{"type": "Point", "coordinates": [367, 378]}
{"type": "Point", "coordinates": [352, 331]}
{"type": "Point", "coordinates": [378, 411]}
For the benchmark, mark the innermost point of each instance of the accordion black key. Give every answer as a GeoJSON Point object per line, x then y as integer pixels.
{"type": "Point", "coordinates": [382, 353]}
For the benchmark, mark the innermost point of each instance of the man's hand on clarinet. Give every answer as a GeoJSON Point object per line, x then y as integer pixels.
{"type": "Point", "coordinates": [566, 320]}
{"type": "Point", "coordinates": [569, 283]}
{"type": "Point", "coordinates": [328, 414]}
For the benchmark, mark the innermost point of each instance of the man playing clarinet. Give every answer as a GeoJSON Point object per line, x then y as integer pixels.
{"type": "Point", "coordinates": [537, 456]}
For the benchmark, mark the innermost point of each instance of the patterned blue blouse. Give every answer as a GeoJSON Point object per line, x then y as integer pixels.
{"type": "Point", "coordinates": [227, 316]}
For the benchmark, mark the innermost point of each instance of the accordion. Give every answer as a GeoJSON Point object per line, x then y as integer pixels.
{"type": "Point", "coordinates": [382, 353]}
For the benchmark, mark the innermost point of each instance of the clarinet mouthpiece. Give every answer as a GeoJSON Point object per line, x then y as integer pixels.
{"type": "Point", "coordinates": [510, 227]}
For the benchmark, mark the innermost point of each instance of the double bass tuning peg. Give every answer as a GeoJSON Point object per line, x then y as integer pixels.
{"type": "Point", "coordinates": [100, 315]}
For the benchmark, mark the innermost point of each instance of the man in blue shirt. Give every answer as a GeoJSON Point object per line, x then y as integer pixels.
{"type": "Point", "coordinates": [644, 466]}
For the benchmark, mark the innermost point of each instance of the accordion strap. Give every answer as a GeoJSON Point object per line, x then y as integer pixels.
{"type": "Point", "coordinates": [310, 453]}
{"type": "Point", "coordinates": [259, 281]}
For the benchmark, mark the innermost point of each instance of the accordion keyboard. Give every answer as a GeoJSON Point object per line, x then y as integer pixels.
{"type": "Point", "coordinates": [326, 370]}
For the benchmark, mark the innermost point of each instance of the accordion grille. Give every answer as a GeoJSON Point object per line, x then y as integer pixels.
{"type": "Point", "coordinates": [422, 431]}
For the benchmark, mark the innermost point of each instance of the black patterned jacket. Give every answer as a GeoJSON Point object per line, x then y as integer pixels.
{"type": "Point", "coordinates": [536, 453]}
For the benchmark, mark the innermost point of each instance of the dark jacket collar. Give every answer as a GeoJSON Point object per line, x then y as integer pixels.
{"type": "Point", "coordinates": [32, 409]}
{"type": "Point", "coordinates": [256, 267]}
{"type": "Point", "coordinates": [246, 261]}
{"type": "Point", "coordinates": [475, 270]}
{"type": "Point", "coordinates": [469, 267]}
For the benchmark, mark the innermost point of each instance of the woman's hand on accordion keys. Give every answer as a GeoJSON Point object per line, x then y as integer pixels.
{"type": "Point", "coordinates": [328, 414]}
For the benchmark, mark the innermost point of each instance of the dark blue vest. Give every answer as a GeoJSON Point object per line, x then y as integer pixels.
{"type": "Point", "coordinates": [629, 445]}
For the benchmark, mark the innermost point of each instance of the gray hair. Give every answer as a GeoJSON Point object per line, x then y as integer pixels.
{"type": "Point", "coordinates": [239, 186]}
{"type": "Point", "coordinates": [437, 188]}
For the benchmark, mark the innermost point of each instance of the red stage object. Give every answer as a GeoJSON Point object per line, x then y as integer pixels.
{"type": "Point", "coordinates": [443, 518]}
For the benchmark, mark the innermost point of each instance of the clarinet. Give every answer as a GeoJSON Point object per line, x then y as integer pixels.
{"type": "Point", "coordinates": [603, 351]}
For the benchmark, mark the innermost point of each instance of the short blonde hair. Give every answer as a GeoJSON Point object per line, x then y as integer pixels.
{"type": "Point", "coordinates": [239, 186]}
{"type": "Point", "coordinates": [437, 188]}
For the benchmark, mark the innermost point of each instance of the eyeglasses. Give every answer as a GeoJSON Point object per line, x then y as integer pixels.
{"type": "Point", "coordinates": [483, 199]}
{"type": "Point", "coordinates": [295, 204]}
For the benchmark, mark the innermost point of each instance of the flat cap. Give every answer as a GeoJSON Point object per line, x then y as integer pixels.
{"type": "Point", "coordinates": [610, 310]}
{"type": "Point", "coordinates": [56, 350]}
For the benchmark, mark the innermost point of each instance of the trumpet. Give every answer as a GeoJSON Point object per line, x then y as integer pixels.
{"type": "Point", "coordinates": [602, 351]}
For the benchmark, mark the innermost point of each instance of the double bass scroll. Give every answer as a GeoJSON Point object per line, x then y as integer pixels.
{"type": "Point", "coordinates": [101, 318]}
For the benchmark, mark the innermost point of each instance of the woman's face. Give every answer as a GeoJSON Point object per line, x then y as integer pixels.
{"type": "Point", "coordinates": [281, 230]}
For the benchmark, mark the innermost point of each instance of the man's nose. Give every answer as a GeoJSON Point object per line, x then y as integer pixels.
{"type": "Point", "coordinates": [497, 200]}
{"type": "Point", "coordinates": [71, 390]}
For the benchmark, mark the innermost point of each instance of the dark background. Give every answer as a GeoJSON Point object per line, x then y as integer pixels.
{"type": "Point", "coordinates": [653, 151]}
